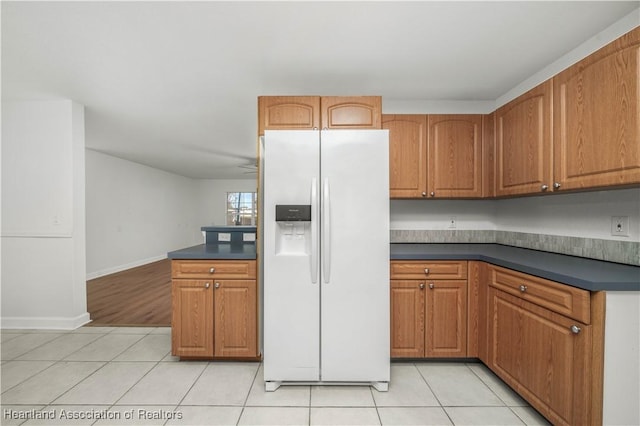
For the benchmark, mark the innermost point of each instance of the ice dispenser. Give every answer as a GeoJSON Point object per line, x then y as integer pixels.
{"type": "Point", "coordinates": [293, 233]}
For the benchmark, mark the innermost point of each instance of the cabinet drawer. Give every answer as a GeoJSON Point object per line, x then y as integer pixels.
{"type": "Point", "coordinates": [563, 299]}
{"type": "Point", "coordinates": [440, 270]}
{"type": "Point", "coordinates": [228, 269]}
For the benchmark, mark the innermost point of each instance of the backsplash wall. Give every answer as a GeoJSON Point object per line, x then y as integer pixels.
{"type": "Point", "coordinates": [576, 224]}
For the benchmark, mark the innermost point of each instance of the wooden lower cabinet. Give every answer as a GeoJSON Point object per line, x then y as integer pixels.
{"type": "Point", "coordinates": [446, 312]}
{"type": "Point", "coordinates": [544, 356]}
{"type": "Point", "coordinates": [213, 317]}
{"type": "Point", "coordinates": [235, 318]}
{"type": "Point", "coordinates": [407, 319]}
{"type": "Point", "coordinates": [543, 338]}
{"type": "Point", "coordinates": [192, 318]}
{"type": "Point", "coordinates": [428, 316]}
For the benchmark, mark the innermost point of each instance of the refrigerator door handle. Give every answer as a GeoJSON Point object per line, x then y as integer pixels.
{"type": "Point", "coordinates": [314, 231]}
{"type": "Point", "coordinates": [326, 232]}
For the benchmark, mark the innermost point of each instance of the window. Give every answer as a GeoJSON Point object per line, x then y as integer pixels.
{"type": "Point", "coordinates": [242, 208]}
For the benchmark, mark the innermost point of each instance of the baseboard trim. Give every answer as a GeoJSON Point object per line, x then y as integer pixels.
{"type": "Point", "coordinates": [120, 268]}
{"type": "Point", "coordinates": [45, 323]}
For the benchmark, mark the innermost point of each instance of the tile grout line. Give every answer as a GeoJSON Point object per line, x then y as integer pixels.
{"type": "Point", "coordinates": [56, 361]}
{"type": "Point", "coordinates": [446, 413]}
{"type": "Point", "coordinates": [36, 347]}
{"type": "Point", "coordinates": [109, 406]}
{"type": "Point", "coordinates": [375, 404]}
{"type": "Point", "coordinates": [248, 393]}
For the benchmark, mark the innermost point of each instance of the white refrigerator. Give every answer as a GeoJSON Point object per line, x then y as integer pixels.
{"type": "Point", "coordinates": [325, 257]}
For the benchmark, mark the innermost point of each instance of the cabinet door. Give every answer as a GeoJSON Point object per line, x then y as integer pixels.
{"type": "Point", "coordinates": [455, 156]}
{"type": "Point", "coordinates": [407, 155]}
{"type": "Point", "coordinates": [192, 318]}
{"type": "Point", "coordinates": [407, 319]}
{"type": "Point", "coordinates": [535, 351]}
{"type": "Point", "coordinates": [288, 113]}
{"type": "Point", "coordinates": [596, 109]}
{"type": "Point", "coordinates": [523, 143]}
{"type": "Point", "coordinates": [446, 324]}
{"type": "Point", "coordinates": [235, 318]}
{"type": "Point", "coordinates": [355, 112]}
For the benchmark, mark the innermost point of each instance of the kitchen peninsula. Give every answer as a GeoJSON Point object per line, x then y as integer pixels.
{"type": "Point", "coordinates": [215, 296]}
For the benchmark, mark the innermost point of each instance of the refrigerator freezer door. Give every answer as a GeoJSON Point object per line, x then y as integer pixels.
{"type": "Point", "coordinates": [355, 301]}
{"type": "Point", "coordinates": [291, 308]}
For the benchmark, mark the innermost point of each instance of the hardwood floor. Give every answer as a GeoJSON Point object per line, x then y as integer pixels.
{"type": "Point", "coordinates": [139, 296]}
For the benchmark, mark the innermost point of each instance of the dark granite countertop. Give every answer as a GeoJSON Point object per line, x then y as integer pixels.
{"type": "Point", "coordinates": [588, 274]}
{"type": "Point", "coordinates": [238, 251]}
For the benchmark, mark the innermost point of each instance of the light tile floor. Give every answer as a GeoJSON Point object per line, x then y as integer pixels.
{"type": "Point", "coordinates": [126, 376]}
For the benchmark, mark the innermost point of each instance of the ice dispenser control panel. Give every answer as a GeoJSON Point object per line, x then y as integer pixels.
{"type": "Point", "coordinates": [293, 213]}
{"type": "Point", "coordinates": [293, 230]}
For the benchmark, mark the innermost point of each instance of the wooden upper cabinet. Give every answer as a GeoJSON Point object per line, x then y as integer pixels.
{"type": "Point", "coordinates": [524, 142]}
{"type": "Point", "coordinates": [455, 156]}
{"type": "Point", "coordinates": [596, 109]}
{"type": "Point", "coordinates": [288, 113]}
{"type": "Point", "coordinates": [355, 112]}
{"type": "Point", "coordinates": [407, 155]}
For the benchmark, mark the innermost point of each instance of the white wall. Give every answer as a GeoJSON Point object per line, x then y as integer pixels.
{"type": "Point", "coordinates": [586, 214]}
{"type": "Point", "coordinates": [136, 214]}
{"type": "Point", "coordinates": [436, 214]}
{"type": "Point", "coordinates": [213, 196]}
{"type": "Point", "coordinates": [43, 217]}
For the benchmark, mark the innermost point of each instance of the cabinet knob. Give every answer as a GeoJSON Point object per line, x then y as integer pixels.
{"type": "Point", "coordinates": [523, 288]}
{"type": "Point", "coordinates": [424, 194]}
{"type": "Point", "coordinates": [207, 285]}
{"type": "Point", "coordinates": [212, 270]}
{"type": "Point", "coordinates": [575, 329]}
{"type": "Point", "coordinates": [544, 187]}
{"type": "Point", "coordinates": [433, 194]}
{"type": "Point", "coordinates": [556, 185]}
{"type": "Point", "coordinates": [431, 286]}
{"type": "Point", "coordinates": [217, 285]}
{"type": "Point", "coordinates": [421, 286]}
{"type": "Point", "coordinates": [426, 271]}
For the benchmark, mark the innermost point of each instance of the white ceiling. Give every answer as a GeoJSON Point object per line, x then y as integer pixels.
{"type": "Point", "coordinates": [173, 85]}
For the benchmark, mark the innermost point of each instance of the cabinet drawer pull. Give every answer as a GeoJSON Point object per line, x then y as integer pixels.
{"type": "Point", "coordinates": [433, 194]}
{"type": "Point", "coordinates": [424, 194]}
{"type": "Point", "coordinates": [556, 185]}
{"type": "Point", "coordinates": [575, 329]}
{"type": "Point", "coordinates": [207, 285]}
{"type": "Point", "coordinates": [421, 286]}
{"type": "Point", "coordinates": [212, 270]}
{"type": "Point", "coordinates": [217, 285]}
{"type": "Point", "coordinates": [523, 288]}
{"type": "Point", "coordinates": [426, 271]}
{"type": "Point", "coordinates": [544, 187]}
{"type": "Point", "coordinates": [431, 286]}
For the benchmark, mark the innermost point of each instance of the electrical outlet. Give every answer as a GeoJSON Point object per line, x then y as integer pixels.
{"type": "Point", "coordinates": [620, 226]}
{"type": "Point", "coordinates": [452, 222]}
{"type": "Point", "coordinates": [224, 236]}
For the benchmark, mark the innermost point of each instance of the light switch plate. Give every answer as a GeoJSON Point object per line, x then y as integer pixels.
{"type": "Point", "coordinates": [224, 236]}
